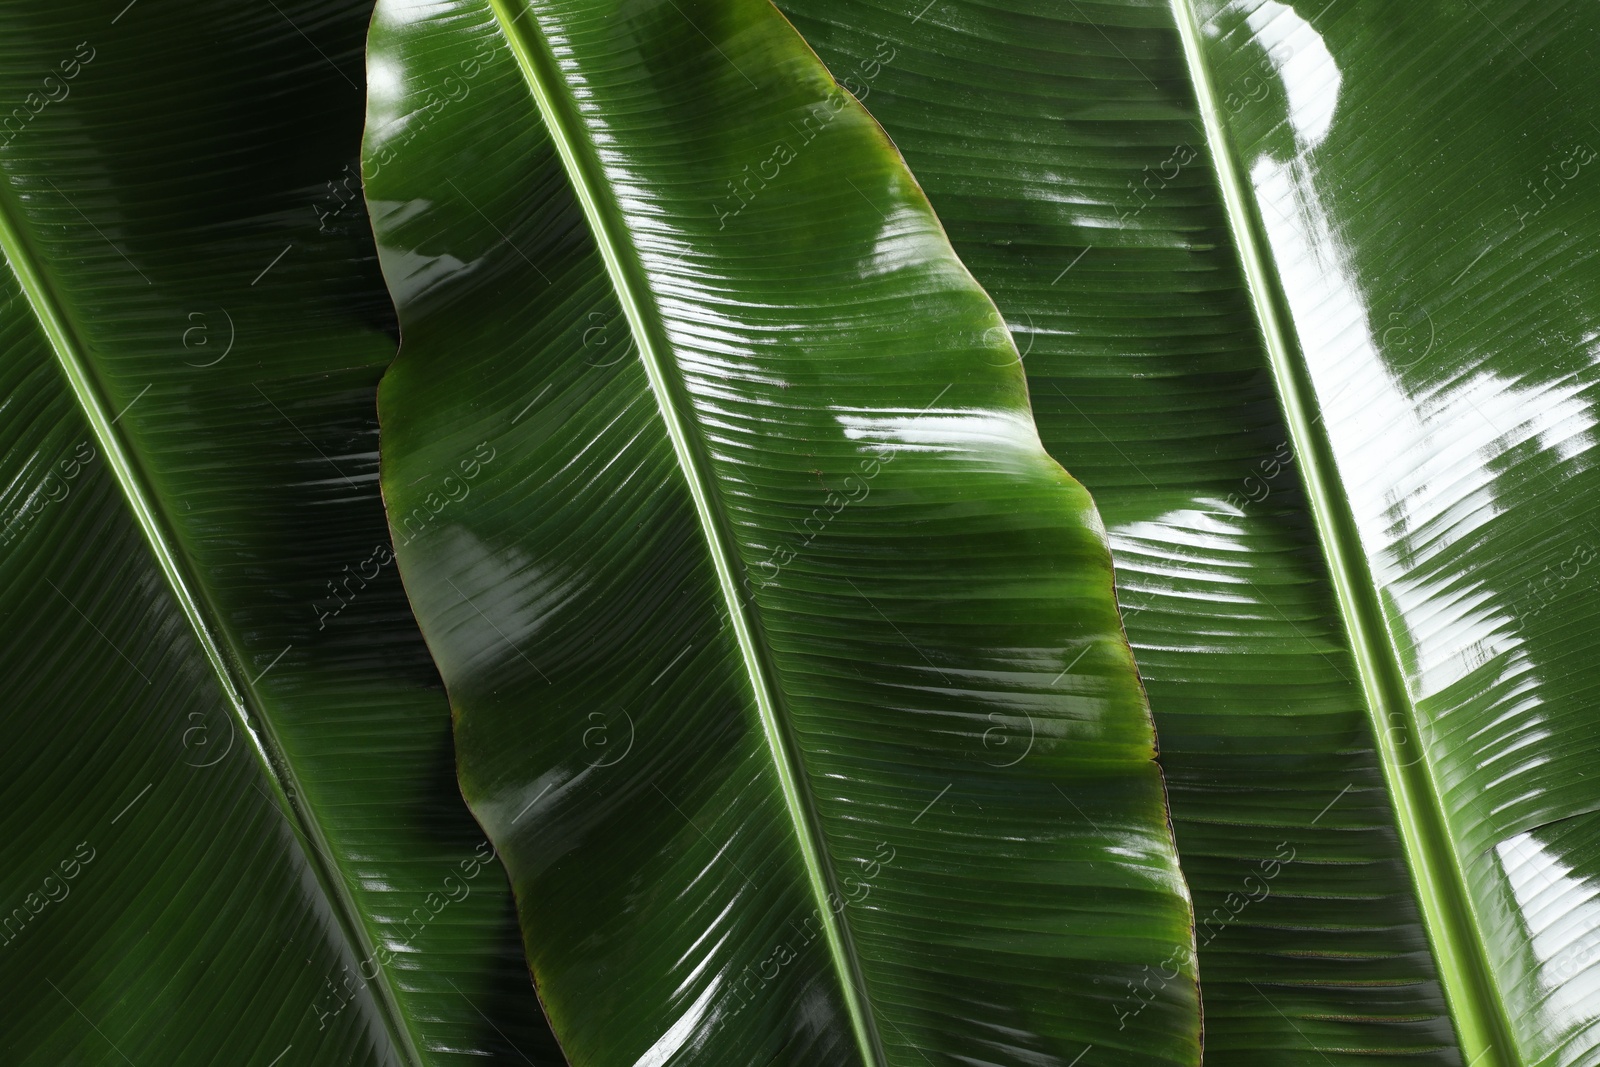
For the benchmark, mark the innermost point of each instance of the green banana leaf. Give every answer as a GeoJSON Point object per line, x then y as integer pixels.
{"type": "Point", "coordinates": [786, 672]}
{"type": "Point", "coordinates": [1306, 297]}
{"type": "Point", "coordinates": [232, 829]}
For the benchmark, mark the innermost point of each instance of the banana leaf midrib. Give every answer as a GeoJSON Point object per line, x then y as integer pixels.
{"type": "Point", "coordinates": [622, 265]}
{"type": "Point", "coordinates": [226, 663]}
{"type": "Point", "coordinates": [1469, 985]}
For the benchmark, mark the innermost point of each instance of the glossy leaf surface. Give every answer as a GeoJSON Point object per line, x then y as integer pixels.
{"type": "Point", "coordinates": [785, 665]}
{"type": "Point", "coordinates": [1468, 351]}
{"type": "Point", "coordinates": [226, 758]}
{"type": "Point", "coordinates": [1336, 405]}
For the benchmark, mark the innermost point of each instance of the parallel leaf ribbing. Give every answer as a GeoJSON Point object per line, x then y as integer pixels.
{"type": "Point", "coordinates": [923, 717]}
{"type": "Point", "coordinates": [565, 130]}
{"type": "Point", "coordinates": [213, 639]}
{"type": "Point", "coordinates": [1441, 886]}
